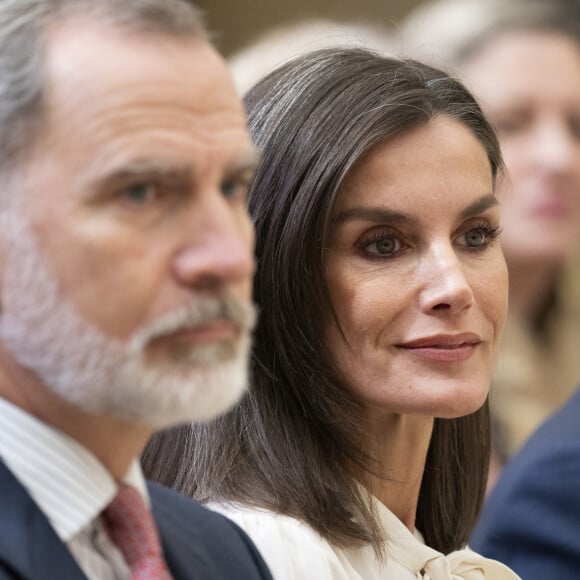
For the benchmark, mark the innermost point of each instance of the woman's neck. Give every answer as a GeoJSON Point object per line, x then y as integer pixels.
{"type": "Point", "coordinates": [400, 444]}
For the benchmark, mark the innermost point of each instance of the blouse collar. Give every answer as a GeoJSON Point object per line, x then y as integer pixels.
{"type": "Point", "coordinates": [410, 550]}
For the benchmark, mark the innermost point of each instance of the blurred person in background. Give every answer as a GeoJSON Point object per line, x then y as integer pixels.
{"type": "Point", "coordinates": [531, 520]}
{"type": "Point", "coordinates": [522, 60]}
{"type": "Point", "coordinates": [361, 450]}
{"type": "Point", "coordinates": [281, 44]}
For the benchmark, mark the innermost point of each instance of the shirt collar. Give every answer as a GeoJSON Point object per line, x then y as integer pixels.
{"type": "Point", "coordinates": [67, 482]}
{"type": "Point", "coordinates": [411, 551]}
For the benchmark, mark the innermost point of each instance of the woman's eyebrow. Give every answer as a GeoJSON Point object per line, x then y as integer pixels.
{"type": "Point", "coordinates": [479, 206]}
{"type": "Point", "coordinates": [375, 214]}
{"type": "Point", "coordinates": [384, 215]}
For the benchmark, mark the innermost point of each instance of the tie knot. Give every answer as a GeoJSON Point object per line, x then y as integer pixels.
{"type": "Point", "coordinates": [129, 524]}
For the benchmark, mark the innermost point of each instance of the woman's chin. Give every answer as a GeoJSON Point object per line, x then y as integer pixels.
{"type": "Point", "coordinates": [456, 407]}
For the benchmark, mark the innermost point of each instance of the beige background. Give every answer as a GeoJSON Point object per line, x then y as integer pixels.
{"type": "Point", "coordinates": [236, 23]}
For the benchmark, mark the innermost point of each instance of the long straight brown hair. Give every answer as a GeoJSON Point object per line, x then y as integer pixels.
{"type": "Point", "coordinates": [291, 443]}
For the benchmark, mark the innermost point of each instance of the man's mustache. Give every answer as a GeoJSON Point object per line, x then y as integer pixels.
{"type": "Point", "coordinates": [205, 310]}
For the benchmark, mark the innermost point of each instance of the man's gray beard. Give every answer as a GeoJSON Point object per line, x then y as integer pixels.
{"type": "Point", "coordinates": [44, 333]}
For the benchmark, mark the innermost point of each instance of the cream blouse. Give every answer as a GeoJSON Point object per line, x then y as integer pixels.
{"type": "Point", "coordinates": [294, 551]}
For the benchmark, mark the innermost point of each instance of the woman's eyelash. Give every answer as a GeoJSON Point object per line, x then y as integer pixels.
{"type": "Point", "coordinates": [478, 237]}
{"type": "Point", "coordinates": [387, 243]}
{"type": "Point", "coordinates": [393, 241]}
{"type": "Point", "coordinates": [379, 236]}
{"type": "Point", "coordinates": [491, 232]}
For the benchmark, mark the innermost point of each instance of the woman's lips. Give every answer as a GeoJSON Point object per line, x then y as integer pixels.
{"type": "Point", "coordinates": [443, 347]}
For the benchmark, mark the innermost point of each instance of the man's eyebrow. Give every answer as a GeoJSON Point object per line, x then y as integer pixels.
{"type": "Point", "coordinates": [248, 161]}
{"type": "Point", "coordinates": [140, 169]}
{"type": "Point", "coordinates": [479, 206]}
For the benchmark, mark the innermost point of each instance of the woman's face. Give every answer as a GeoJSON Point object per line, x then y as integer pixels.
{"type": "Point", "coordinates": [529, 86]}
{"type": "Point", "coordinates": [416, 275]}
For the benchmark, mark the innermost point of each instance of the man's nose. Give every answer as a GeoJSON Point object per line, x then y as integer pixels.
{"type": "Point", "coordinates": [444, 284]}
{"type": "Point", "coordinates": [219, 247]}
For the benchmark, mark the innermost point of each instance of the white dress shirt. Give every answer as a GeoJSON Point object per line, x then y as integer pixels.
{"type": "Point", "coordinates": [69, 485]}
{"type": "Point", "coordinates": [295, 551]}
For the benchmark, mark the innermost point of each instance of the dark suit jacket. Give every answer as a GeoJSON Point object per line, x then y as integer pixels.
{"type": "Point", "coordinates": [531, 521]}
{"type": "Point", "coordinates": [198, 544]}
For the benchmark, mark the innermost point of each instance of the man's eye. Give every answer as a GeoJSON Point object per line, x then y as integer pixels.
{"type": "Point", "coordinates": [140, 193]}
{"type": "Point", "coordinates": [234, 188]}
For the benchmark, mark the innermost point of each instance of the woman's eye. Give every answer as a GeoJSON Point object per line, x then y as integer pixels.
{"type": "Point", "coordinates": [574, 126]}
{"type": "Point", "coordinates": [509, 127]}
{"type": "Point", "coordinates": [384, 246]}
{"type": "Point", "coordinates": [140, 192]}
{"type": "Point", "coordinates": [479, 238]}
{"type": "Point", "coordinates": [475, 238]}
{"type": "Point", "coordinates": [510, 124]}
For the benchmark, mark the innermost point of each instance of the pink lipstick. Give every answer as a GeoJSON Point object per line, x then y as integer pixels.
{"type": "Point", "coordinates": [443, 347]}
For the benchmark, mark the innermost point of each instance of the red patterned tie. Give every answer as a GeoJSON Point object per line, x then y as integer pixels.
{"type": "Point", "coordinates": [131, 528]}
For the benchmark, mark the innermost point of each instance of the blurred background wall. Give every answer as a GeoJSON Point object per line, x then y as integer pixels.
{"type": "Point", "coordinates": [237, 23]}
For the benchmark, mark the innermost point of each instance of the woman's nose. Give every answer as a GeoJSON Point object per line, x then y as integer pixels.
{"type": "Point", "coordinates": [445, 287]}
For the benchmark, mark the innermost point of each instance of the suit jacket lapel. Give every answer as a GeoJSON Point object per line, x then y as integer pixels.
{"type": "Point", "coordinates": [180, 537]}
{"type": "Point", "coordinates": [28, 543]}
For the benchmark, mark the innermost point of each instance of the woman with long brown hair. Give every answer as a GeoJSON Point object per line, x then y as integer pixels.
{"type": "Point", "coordinates": [362, 446]}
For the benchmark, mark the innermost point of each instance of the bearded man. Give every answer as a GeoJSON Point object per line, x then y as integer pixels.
{"type": "Point", "coordinates": [126, 263]}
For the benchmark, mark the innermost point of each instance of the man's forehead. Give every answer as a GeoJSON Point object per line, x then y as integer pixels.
{"type": "Point", "coordinates": [160, 103]}
{"type": "Point", "coordinates": [239, 161]}
{"type": "Point", "coordinates": [80, 50]}
{"type": "Point", "coordinates": [91, 67]}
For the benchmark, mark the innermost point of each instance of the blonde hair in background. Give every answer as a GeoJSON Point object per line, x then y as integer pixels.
{"type": "Point", "coordinates": [445, 33]}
